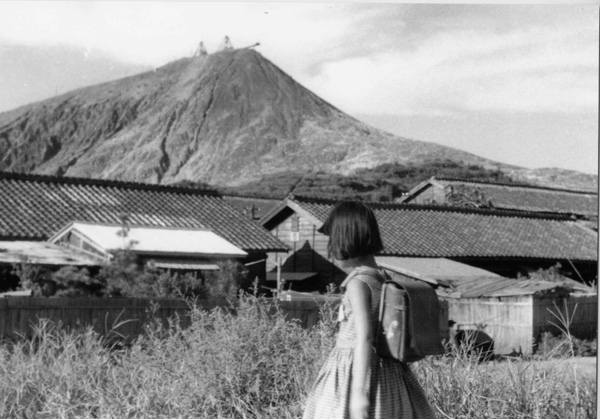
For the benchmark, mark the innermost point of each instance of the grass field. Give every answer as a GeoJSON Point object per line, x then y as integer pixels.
{"type": "Point", "coordinates": [254, 364]}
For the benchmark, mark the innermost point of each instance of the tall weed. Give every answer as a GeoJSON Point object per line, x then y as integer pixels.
{"type": "Point", "coordinates": [247, 361]}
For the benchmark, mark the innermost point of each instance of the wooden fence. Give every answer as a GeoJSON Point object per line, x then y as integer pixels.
{"type": "Point", "coordinates": [117, 317]}
{"type": "Point", "coordinates": [125, 317]}
{"type": "Point", "coordinates": [113, 317]}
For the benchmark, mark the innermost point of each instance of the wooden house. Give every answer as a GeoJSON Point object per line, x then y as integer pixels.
{"type": "Point", "coordinates": [504, 196]}
{"type": "Point", "coordinates": [506, 243]}
{"type": "Point", "coordinates": [151, 244]}
{"type": "Point", "coordinates": [36, 207]}
{"type": "Point", "coordinates": [307, 266]}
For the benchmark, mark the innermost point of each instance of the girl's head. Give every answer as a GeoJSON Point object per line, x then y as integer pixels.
{"type": "Point", "coordinates": [353, 231]}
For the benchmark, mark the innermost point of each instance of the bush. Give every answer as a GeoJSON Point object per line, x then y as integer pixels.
{"type": "Point", "coordinates": [553, 346]}
{"type": "Point", "coordinates": [76, 282]}
{"type": "Point", "coordinates": [228, 280]}
{"type": "Point", "coordinates": [124, 276]}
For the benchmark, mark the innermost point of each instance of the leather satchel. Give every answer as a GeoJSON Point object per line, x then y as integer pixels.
{"type": "Point", "coordinates": [409, 320]}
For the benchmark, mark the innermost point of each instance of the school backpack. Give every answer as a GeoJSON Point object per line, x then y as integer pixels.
{"type": "Point", "coordinates": [409, 319]}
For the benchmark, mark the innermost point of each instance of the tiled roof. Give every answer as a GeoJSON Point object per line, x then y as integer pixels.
{"type": "Point", "coordinates": [33, 207]}
{"type": "Point", "coordinates": [320, 209]}
{"type": "Point", "coordinates": [531, 198]}
{"type": "Point", "coordinates": [435, 231]}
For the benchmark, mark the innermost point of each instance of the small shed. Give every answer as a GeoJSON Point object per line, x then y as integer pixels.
{"type": "Point", "coordinates": [161, 246]}
{"type": "Point", "coordinates": [41, 253]}
{"type": "Point", "coordinates": [18, 255]}
{"type": "Point", "coordinates": [514, 313]}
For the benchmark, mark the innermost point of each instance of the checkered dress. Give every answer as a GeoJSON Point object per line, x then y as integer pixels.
{"type": "Point", "coordinates": [394, 390]}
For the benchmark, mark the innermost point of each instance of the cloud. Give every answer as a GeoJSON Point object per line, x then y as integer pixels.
{"type": "Point", "coordinates": [364, 58]}
{"type": "Point", "coordinates": [539, 68]}
{"type": "Point", "coordinates": [157, 32]}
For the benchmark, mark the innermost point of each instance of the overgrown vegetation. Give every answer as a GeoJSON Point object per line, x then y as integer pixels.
{"type": "Point", "coordinates": [125, 276]}
{"type": "Point", "coordinates": [468, 197]}
{"type": "Point", "coordinates": [560, 346]}
{"type": "Point", "coordinates": [382, 183]}
{"type": "Point", "coordinates": [251, 363]}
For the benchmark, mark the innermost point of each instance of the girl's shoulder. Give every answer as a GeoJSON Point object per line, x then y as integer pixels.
{"type": "Point", "coordinates": [371, 276]}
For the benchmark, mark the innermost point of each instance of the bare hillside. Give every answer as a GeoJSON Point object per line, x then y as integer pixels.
{"type": "Point", "coordinates": [224, 119]}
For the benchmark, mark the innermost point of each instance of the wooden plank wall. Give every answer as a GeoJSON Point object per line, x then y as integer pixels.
{"type": "Point", "coordinates": [125, 316]}
{"type": "Point", "coordinates": [507, 322]}
{"type": "Point", "coordinates": [302, 254]}
{"type": "Point", "coordinates": [516, 322]}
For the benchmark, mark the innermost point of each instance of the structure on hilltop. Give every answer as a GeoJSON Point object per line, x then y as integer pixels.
{"type": "Point", "coordinates": [226, 45]}
{"type": "Point", "coordinates": [201, 51]}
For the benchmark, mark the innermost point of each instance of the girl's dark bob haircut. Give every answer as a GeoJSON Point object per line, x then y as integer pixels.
{"type": "Point", "coordinates": [353, 231]}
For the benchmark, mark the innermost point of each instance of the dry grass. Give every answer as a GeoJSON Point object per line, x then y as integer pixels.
{"type": "Point", "coordinates": [250, 364]}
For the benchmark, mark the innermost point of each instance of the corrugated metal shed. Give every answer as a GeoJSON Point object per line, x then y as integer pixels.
{"type": "Point", "coordinates": [503, 287]}
{"type": "Point", "coordinates": [432, 269]}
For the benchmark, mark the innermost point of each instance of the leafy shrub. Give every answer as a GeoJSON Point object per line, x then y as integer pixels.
{"type": "Point", "coordinates": [30, 276]}
{"type": "Point", "coordinates": [553, 346]}
{"type": "Point", "coordinates": [468, 197]}
{"type": "Point", "coordinates": [551, 274]}
{"type": "Point", "coordinates": [76, 282]}
{"type": "Point", "coordinates": [124, 276]}
{"type": "Point", "coordinates": [228, 280]}
{"type": "Point", "coordinates": [186, 285]}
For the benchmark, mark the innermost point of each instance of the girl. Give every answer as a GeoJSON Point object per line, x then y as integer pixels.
{"type": "Point", "coordinates": [355, 383]}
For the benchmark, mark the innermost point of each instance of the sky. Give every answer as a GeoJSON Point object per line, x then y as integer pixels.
{"type": "Point", "coordinates": [516, 84]}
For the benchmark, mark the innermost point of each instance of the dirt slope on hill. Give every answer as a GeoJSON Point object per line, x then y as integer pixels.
{"type": "Point", "coordinates": [224, 119]}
